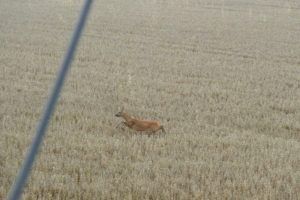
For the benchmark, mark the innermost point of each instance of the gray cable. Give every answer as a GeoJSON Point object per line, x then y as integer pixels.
{"type": "Point", "coordinates": [16, 189]}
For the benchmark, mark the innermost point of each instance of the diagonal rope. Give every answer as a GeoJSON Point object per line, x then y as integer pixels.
{"type": "Point", "coordinates": [16, 189]}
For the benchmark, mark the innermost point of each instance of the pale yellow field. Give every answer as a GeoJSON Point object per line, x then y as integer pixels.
{"type": "Point", "coordinates": [222, 76]}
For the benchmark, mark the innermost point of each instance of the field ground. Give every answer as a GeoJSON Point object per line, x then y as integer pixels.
{"type": "Point", "coordinates": [222, 76]}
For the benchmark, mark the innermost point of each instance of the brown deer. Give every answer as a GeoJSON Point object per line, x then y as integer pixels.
{"type": "Point", "coordinates": [138, 124]}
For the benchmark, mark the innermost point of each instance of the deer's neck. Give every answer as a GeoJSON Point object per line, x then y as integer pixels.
{"type": "Point", "coordinates": [127, 117]}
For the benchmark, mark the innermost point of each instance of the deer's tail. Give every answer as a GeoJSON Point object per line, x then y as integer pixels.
{"type": "Point", "coordinates": [163, 129]}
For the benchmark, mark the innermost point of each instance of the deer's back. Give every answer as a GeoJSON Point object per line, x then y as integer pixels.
{"type": "Point", "coordinates": [145, 125]}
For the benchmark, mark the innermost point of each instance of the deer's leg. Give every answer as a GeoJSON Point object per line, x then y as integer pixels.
{"type": "Point", "coordinates": [162, 129]}
{"type": "Point", "coordinates": [123, 123]}
{"type": "Point", "coordinates": [119, 124]}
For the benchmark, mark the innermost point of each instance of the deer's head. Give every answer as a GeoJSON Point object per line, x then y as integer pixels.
{"type": "Point", "coordinates": [120, 114]}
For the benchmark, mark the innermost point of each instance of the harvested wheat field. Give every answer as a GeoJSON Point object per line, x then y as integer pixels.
{"type": "Point", "coordinates": [223, 77]}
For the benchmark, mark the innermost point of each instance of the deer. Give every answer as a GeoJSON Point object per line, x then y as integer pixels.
{"type": "Point", "coordinates": [139, 125]}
